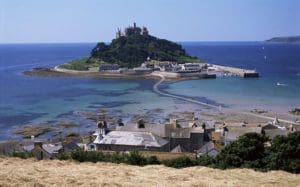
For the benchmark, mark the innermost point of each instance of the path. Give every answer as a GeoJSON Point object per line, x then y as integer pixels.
{"type": "Point", "coordinates": [155, 88]}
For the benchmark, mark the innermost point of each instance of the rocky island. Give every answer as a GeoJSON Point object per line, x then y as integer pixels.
{"type": "Point", "coordinates": [134, 53]}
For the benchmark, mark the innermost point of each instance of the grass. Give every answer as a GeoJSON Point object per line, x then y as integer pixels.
{"type": "Point", "coordinates": [19, 172]}
{"type": "Point", "coordinates": [83, 64]}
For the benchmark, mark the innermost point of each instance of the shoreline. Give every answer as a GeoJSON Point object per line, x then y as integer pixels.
{"type": "Point", "coordinates": [161, 77]}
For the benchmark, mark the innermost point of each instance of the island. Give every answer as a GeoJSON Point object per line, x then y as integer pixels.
{"type": "Point", "coordinates": [135, 53]}
{"type": "Point", "coordinates": [286, 39]}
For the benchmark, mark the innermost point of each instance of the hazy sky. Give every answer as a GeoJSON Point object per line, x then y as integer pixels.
{"type": "Point", "coordinates": [37, 21]}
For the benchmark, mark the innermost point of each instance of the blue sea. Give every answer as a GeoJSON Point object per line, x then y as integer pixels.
{"type": "Point", "coordinates": [34, 100]}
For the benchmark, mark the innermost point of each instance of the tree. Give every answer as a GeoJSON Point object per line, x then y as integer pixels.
{"type": "Point", "coordinates": [284, 153]}
{"type": "Point", "coordinates": [246, 151]}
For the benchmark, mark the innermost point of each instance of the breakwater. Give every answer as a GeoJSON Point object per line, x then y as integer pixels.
{"type": "Point", "coordinates": [245, 73]}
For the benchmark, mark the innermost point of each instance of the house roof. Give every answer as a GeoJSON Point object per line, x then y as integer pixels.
{"type": "Point", "coordinates": [206, 148]}
{"type": "Point", "coordinates": [146, 139]}
{"type": "Point", "coordinates": [271, 133]}
{"type": "Point", "coordinates": [178, 149]}
{"type": "Point", "coordinates": [157, 129]}
{"type": "Point", "coordinates": [235, 131]}
{"type": "Point", "coordinates": [184, 132]}
{"type": "Point", "coordinates": [50, 148]}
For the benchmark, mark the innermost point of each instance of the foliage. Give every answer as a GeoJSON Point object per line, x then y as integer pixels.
{"type": "Point", "coordinates": [23, 155]}
{"type": "Point", "coordinates": [83, 64]}
{"type": "Point", "coordinates": [133, 50]}
{"type": "Point", "coordinates": [205, 161]}
{"type": "Point", "coordinates": [180, 162]}
{"type": "Point", "coordinates": [133, 158]}
{"type": "Point", "coordinates": [284, 153]}
{"type": "Point", "coordinates": [247, 151]}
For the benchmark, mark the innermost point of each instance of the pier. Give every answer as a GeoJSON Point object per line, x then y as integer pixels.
{"type": "Point", "coordinates": [245, 73]}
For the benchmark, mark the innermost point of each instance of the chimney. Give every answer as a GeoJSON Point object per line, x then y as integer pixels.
{"type": "Point", "coordinates": [140, 124]}
{"type": "Point", "coordinates": [173, 123]}
{"type": "Point", "coordinates": [38, 144]}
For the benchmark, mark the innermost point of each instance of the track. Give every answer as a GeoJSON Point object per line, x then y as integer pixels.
{"type": "Point", "coordinates": [155, 89]}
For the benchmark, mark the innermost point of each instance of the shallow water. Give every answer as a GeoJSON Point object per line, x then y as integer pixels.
{"type": "Point", "coordinates": [26, 99]}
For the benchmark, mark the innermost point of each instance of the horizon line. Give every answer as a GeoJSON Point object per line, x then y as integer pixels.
{"type": "Point", "coordinates": [90, 42]}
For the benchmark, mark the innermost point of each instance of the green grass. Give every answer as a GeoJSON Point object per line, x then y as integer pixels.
{"type": "Point", "coordinates": [83, 64]}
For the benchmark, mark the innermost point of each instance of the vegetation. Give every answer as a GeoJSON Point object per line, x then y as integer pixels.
{"type": "Point", "coordinates": [84, 64]}
{"type": "Point", "coordinates": [131, 51]}
{"type": "Point", "coordinates": [133, 158]}
{"type": "Point", "coordinates": [23, 155]}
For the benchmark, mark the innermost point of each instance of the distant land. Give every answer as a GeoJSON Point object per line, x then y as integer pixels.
{"type": "Point", "coordinates": [130, 49]}
{"type": "Point", "coordinates": [285, 39]}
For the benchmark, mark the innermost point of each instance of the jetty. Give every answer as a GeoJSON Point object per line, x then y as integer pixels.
{"type": "Point", "coordinates": [245, 73]}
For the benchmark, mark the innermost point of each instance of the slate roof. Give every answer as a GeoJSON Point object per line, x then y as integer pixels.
{"type": "Point", "coordinates": [208, 149]}
{"type": "Point", "coordinates": [271, 133]}
{"type": "Point", "coordinates": [235, 131]}
{"type": "Point", "coordinates": [178, 149]}
{"type": "Point", "coordinates": [157, 129]}
{"type": "Point", "coordinates": [184, 132]}
{"type": "Point", "coordinates": [50, 148]}
{"type": "Point", "coordinates": [146, 139]}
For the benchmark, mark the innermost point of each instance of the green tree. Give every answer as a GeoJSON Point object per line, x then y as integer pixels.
{"type": "Point", "coordinates": [247, 151]}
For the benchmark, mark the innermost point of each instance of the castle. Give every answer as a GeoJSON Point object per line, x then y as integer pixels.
{"type": "Point", "coordinates": [132, 30]}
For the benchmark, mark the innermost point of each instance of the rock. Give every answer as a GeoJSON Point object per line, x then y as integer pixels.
{"type": "Point", "coordinates": [32, 130]}
{"type": "Point", "coordinates": [67, 124]}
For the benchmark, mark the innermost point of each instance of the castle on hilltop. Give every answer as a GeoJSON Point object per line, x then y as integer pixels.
{"type": "Point", "coordinates": [132, 30]}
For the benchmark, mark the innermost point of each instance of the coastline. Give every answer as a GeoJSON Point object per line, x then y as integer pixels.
{"type": "Point", "coordinates": [269, 115]}
{"type": "Point", "coordinates": [60, 72]}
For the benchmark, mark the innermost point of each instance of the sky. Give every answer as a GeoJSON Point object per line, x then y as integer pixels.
{"type": "Point", "coordinates": [64, 21]}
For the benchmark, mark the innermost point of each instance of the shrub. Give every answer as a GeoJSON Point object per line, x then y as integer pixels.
{"type": "Point", "coordinates": [179, 162]}
{"type": "Point", "coordinates": [23, 155]}
{"type": "Point", "coordinates": [153, 160]}
{"type": "Point", "coordinates": [135, 158]}
{"type": "Point", "coordinates": [205, 161]}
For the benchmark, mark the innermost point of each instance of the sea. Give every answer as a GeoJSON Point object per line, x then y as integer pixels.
{"type": "Point", "coordinates": [48, 100]}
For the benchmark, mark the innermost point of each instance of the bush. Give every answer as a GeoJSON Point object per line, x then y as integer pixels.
{"type": "Point", "coordinates": [153, 160]}
{"type": "Point", "coordinates": [63, 156]}
{"type": "Point", "coordinates": [205, 161]}
{"type": "Point", "coordinates": [23, 155]}
{"type": "Point", "coordinates": [180, 162]}
{"type": "Point", "coordinates": [246, 151]}
{"type": "Point", "coordinates": [135, 158]}
{"type": "Point", "coordinates": [284, 153]}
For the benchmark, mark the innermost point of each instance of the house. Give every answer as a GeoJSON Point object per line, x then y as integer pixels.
{"type": "Point", "coordinates": [128, 141]}
{"type": "Point", "coordinates": [189, 135]}
{"type": "Point", "coordinates": [44, 151]}
{"type": "Point", "coordinates": [190, 67]}
{"type": "Point", "coordinates": [208, 149]}
{"type": "Point", "coordinates": [272, 133]}
{"type": "Point", "coordinates": [108, 67]}
{"type": "Point", "coordinates": [9, 147]}
{"type": "Point", "coordinates": [231, 133]}
{"type": "Point", "coordinates": [141, 126]}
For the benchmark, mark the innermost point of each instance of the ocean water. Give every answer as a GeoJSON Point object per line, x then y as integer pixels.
{"type": "Point", "coordinates": [34, 100]}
